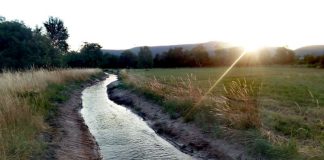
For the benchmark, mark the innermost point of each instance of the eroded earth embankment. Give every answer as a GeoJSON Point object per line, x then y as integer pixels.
{"type": "Point", "coordinates": [185, 136]}
{"type": "Point", "coordinates": [70, 137]}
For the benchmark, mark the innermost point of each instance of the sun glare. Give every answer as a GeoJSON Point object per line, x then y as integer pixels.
{"type": "Point", "coordinates": [216, 83]}
{"type": "Point", "coordinates": [251, 47]}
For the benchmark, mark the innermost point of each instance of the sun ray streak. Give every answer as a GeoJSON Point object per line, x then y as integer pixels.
{"type": "Point", "coordinates": [216, 83]}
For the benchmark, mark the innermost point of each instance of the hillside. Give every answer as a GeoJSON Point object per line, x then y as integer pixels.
{"type": "Point", "coordinates": [210, 46]}
{"type": "Point", "coordinates": [316, 50]}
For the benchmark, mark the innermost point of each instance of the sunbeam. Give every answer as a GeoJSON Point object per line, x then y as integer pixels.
{"type": "Point", "coordinates": [216, 83]}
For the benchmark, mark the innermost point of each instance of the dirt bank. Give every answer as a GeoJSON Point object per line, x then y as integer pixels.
{"type": "Point", "coordinates": [185, 136]}
{"type": "Point", "coordinates": [69, 137]}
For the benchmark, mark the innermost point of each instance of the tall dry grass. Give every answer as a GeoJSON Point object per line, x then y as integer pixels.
{"type": "Point", "coordinates": [237, 106]}
{"type": "Point", "coordinates": [19, 122]}
{"type": "Point", "coordinates": [240, 107]}
{"type": "Point", "coordinates": [169, 88]}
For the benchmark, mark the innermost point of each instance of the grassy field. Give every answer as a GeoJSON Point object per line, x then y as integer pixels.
{"type": "Point", "coordinates": [26, 101]}
{"type": "Point", "coordinates": [277, 111]}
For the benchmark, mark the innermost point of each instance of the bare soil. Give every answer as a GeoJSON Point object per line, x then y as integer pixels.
{"type": "Point", "coordinates": [187, 137]}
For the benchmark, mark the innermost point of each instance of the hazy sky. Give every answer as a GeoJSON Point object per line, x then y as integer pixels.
{"type": "Point", "coordinates": [120, 24]}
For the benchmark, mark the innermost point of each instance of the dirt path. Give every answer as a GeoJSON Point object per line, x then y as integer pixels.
{"type": "Point", "coordinates": [185, 136]}
{"type": "Point", "coordinates": [70, 138]}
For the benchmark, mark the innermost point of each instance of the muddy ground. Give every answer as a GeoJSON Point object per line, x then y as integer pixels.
{"type": "Point", "coordinates": [187, 137]}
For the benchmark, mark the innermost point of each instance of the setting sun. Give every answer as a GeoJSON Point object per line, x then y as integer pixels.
{"type": "Point", "coordinates": [252, 47]}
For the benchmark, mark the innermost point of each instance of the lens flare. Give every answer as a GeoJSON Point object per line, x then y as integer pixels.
{"type": "Point", "coordinates": [216, 83]}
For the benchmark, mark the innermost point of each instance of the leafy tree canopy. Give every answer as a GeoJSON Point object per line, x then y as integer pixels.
{"type": "Point", "coordinates": [92, 54]}
{"type": "Point", "coordinates": [128, 59]}
{"type": "Point", "coordinates": [57, 32]}
{"type": "Point", "coordinates": [145, 58]}
{"type": "Point", "coordinates": [200, 56]}
{"type": "Point", "coordinates": [21, 47]}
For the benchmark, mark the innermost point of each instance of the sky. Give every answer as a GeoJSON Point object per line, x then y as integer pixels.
{"type": "Point", "coordinates": [122, 24]}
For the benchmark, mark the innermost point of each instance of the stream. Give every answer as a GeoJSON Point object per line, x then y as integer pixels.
{"type": "Point", "coordinates": [120, 133]}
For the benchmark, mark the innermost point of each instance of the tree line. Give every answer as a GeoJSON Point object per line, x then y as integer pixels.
{"type": "Point", "coordinates": [313, 61]}
{"type": "Point", "coordinates": [198, 57]}
{"type": "Point", "coordinates": [22, 47]}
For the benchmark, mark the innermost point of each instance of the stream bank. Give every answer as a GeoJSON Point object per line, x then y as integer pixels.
{"type": "Point", "coordinates": [69, 137]}
{"type": "Point", "coordinates": [185, 136]}
{"type": "Point", "coordinates": [119, 132]}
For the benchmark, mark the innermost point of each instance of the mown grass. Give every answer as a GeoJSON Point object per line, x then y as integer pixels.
{"type": "Point", "coordinates": [282, 106]}
{"type": "Point", "coordinates": [27, 100]}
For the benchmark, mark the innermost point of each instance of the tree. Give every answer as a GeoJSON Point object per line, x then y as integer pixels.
{"type": "Point", "coordinates": [219, 57]}
{"type": "Point", "coordinates": [200, 56]}
{"type": "Point", "coordinates": [2, 19]}
{"type": "Point", "coordinates": [128, 59]}
{"type": "Point", "coordinates": [74, 59]}
{"type": "Point", "coordinates": [92, 54]}
{"type": "Point", "coordinates": [21, 47]}
{"type": "Point", "coordinates": [157, 61]}
{"type": "Point", "coordinates": [57, 33]}
{"type": "Point", "coordinates": [265, 56]}
{"type": "Point", "coordinates": [109, 61]}
{"type": "Point", "coordinates": [46, 54]}
{"type": "Point", "coordinates": [174, 57]}
{"type": "Point", "coordinates": [310, 59]}
{"type": "Point", "coordinates": [284, 56]}
{"type": "Point", "coordinates": [145, 58]}
{"type": "Point", "coordinates": [321, 64]}
{"type": "Point", "coordinates": [14, 37]}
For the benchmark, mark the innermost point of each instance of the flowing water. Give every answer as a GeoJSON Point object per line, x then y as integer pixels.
{"type": "Point", "coordinates": [120, 133]}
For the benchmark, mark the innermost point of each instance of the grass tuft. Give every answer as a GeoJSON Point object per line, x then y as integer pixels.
{"type": "Point", "coordinates": [262, 148]}
{"type": "Point", "coordinates": [241, 107]}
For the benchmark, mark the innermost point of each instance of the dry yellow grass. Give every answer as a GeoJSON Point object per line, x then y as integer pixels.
{"type": "Point", "coordinates": [19, 122]}
{"type": "Point", "coordinates": [181, 87]}
{"type": "Point", "coordinates": [241, 107]}
{"type": "Point", "coordinates": [238, 106]}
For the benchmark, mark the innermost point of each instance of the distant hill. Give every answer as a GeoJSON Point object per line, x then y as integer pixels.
{"type": "Point", "coordinates": [214, 45]}
{"type": "Point", "coordinates": [315, 50]}
{"type": "Point", "coordinates": [210, 47]}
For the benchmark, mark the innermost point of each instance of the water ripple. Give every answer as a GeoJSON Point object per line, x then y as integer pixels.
{"type": "Point", "coordinates": [120, 133]}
